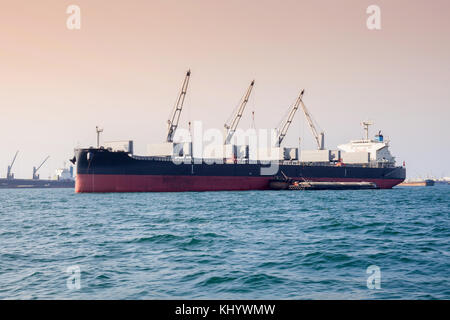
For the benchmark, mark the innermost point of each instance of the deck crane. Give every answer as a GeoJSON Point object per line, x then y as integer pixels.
{"type": "Point", "coordinates": [35, 170]}
{"type": "Point", "coordinates": [10, 175]}
{"type": "Point", "coordinates": [290, 117]}
{"type": "Point", "coordinates": [231, 127]}
{"type": "Point", "coordinates": [320, 138]}
{"type": "Point", "coordinates": [173, 122]}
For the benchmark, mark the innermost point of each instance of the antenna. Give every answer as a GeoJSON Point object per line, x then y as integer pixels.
{"type": "Point", "coordinates": [98, 130]}
{"type": "Point", "coordinates": [253, 120]}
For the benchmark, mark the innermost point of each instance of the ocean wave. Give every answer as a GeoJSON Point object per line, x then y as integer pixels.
{"type": "Point", "coordinates": [260, 244]}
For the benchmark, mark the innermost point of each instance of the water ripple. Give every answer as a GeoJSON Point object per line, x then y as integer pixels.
{"type": "Point", "coordinates": [233, 245]}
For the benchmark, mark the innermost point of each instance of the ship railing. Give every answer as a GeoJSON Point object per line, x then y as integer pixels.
{"type": "Point", "coordinates": [151, 158]}
{"type": "Point", "coordinates": [248, 161]}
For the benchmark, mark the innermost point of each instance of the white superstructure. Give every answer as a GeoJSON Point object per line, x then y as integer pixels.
{"type": "Point", "coordinates": [378, 148]}
{"type": "Point", "coordinates": [64, 174]}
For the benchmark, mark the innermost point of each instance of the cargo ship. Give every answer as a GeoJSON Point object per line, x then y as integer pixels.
{"type": "Point", "coordinates": [173, 166]}
{"type": "Point", "coordinates": [63, 179]}
{"type": "Point", "coordinates": [35, 184]}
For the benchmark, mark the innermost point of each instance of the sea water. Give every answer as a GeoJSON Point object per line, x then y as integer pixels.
{"type": "Point", "coordinates": [358, 244]}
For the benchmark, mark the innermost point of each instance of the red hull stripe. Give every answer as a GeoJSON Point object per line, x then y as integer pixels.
{"type": "Point", "coordinates": [168, 183]}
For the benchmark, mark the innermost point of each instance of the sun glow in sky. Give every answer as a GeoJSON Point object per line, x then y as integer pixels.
{"type": "Point", "coordinates": [123, 69]}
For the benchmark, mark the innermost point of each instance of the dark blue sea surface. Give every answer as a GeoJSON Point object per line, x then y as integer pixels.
{"type": "Point", "coordinates": [237, 245]}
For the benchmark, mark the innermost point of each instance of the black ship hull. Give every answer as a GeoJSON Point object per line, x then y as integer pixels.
{"type": "Point", "coordinates": [100, 170]}
{"type": "Point", "coordinates": [35, 184]}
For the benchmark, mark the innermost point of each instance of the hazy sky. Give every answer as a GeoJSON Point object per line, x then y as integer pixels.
{"type": "Point", "coordinates": [124, 68]}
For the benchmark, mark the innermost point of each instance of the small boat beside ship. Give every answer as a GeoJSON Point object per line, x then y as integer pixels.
{"type": "Point", "coordinates": [290, 184]}
{"type": "Point", "coordinates": [417, 183]}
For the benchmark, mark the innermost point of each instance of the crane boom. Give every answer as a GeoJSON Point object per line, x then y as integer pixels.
{"type": "Point", "coordinates": [14, 159]}
{"type": "Point", "coordinates": [173, 122]}
{"type": "Point", "coordinates": [8, 174]}
{"type": "Point", "coordinates": [290, 117]}
{"type": "Point", "coordinates": [45, 160]}
{"type": "Point", "coordinates": [35, 170]}
{"type": "Point", "coordinates": [318, 137]}
{"type": "Point", "coordinates": [231, 128]}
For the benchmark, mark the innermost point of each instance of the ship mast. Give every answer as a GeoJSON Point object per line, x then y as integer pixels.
{"type": "Point", "coordinates": [173, 122]}
{"type": "Point", "coordinates": [231, 127]}
{"type": "Point", "coordinates": [289, 119]}
{"type": "Point", "coordinates": [318, 137]}
{"type": "Point", "coordinates": [98, 130]}
{"type": "Point", "coordinates": [366, 125]}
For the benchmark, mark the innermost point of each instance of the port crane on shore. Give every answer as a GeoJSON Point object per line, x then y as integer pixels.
{"type": "Point", "coordinates": [173, 122]}
{"type": "Point", "coordinates": [10, 175]}
{"type": "Point", "coordinates": [35, 170]}
{"type": "Point", "coordinates": [230, 127]}
{"type": "Point", "coordinates": [319, 137]}
{"type": "Point", "coordinates": [289, 119]}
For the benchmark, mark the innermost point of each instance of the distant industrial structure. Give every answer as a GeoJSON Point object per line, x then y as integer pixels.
{"type": "Point", "coordinates": [63, 178]}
